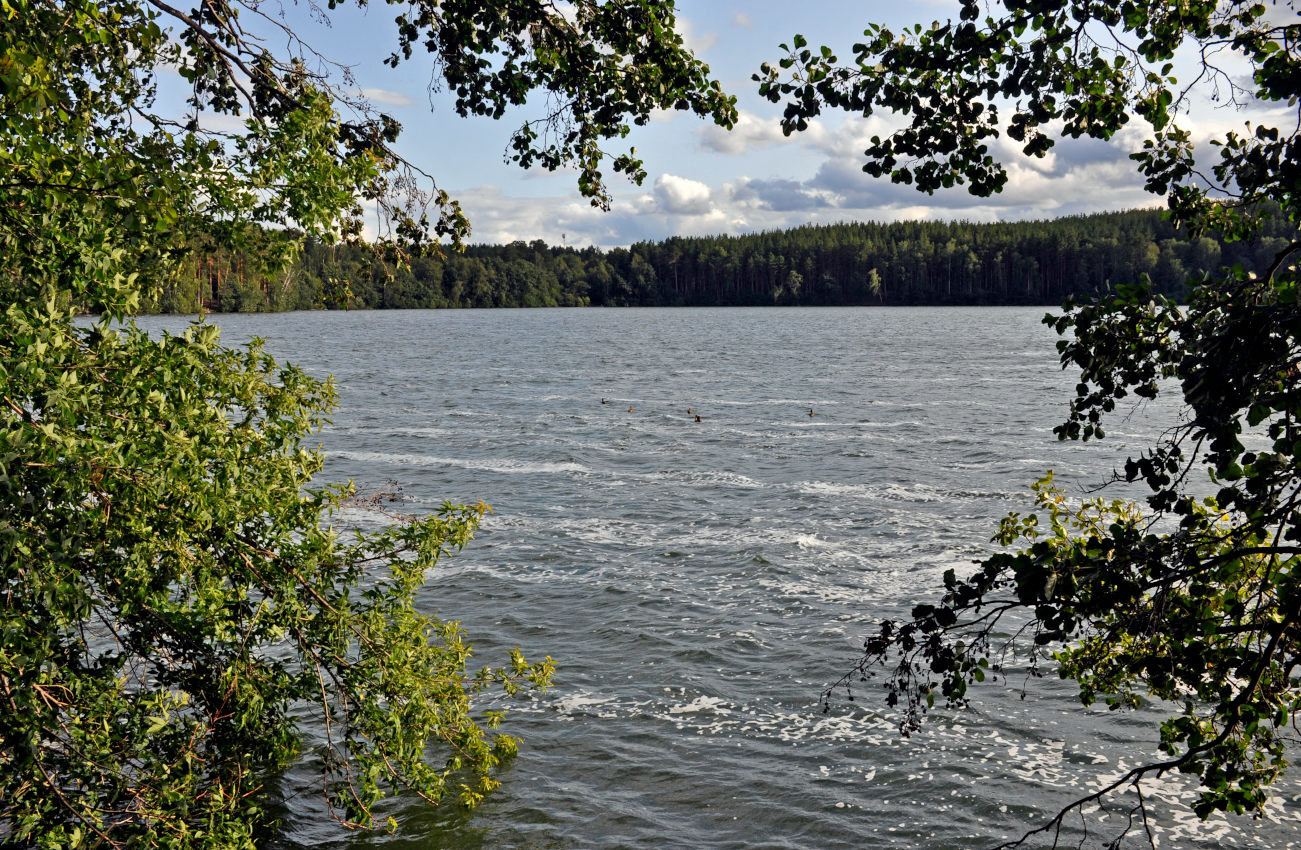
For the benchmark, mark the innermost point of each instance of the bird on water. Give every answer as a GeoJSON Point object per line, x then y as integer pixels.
{"type": "Point", "coordinates": [811, 413]}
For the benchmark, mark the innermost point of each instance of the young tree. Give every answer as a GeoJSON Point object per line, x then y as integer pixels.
{"type": "Point", "coordinates": [1192, 600]}
{"type": "Point", "coordinates": [173, 595]}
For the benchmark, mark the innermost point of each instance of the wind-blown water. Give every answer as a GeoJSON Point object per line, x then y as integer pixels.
{"type": "Point", "coordinates": [700, 583]}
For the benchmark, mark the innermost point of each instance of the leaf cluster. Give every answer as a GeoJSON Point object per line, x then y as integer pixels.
{"type": "Point", "coordinates": [176, 601]}
{"type": "Point", "coordinates": [601, 67]}
{"type": "Point", "coordinates": [1190, 598]}
{"type": "Point", "coordinates": [1032, 69]}
{"type": "Point", "coordinates": [174, 597]}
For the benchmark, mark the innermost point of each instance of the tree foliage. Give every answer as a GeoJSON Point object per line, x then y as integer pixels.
{"type": "Point", "coordinates": [1193, 598]}
{"type": "Point", "coordinates": [176, 601]}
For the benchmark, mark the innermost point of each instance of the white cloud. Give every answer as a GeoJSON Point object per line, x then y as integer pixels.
{"type": "Point", "coordinates": [497, 218]}
{"type": "Point", "coordinates": [778, 195]}
{"type": "Point", "coordinates": [852, 136]}
{"type": "Point", "coordinates": [682, 196]}
{"type": "Point", "coordinates": [1094, 186]}
{"type": "Point", "coordinates": [741, 19]}
{"type": "Point", "coordinates": [220, 122]}
{"type": "Point", "coordinates": [696, 43]}
{"type": "Point", "coordinates": [386, 97]}
{"type": "Point", "coordinates": [749, 132]}
{"type": "Point", "coordinates": [1215, 122]}
{"type": "Point", "coordinates": [664, 116]}
{"type": "Point", "coordinates": [1009, 150]}
{"type": "Point", "coordinates": [567, 10]}
{"type": "Point", "coordinates": [1080, 176]}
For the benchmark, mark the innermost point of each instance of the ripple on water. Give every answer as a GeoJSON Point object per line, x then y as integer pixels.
{"type": "Point", "coordinates": [699, 584]}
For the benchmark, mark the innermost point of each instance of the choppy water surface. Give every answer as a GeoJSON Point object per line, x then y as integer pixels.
{"type": "Point", "coordinates": [700, 583]}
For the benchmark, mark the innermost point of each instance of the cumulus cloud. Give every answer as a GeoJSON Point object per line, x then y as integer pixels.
{"type": "Point", "coordinates": [750, 132]}
{"type": "Point", "coordinates": [1215, 123]}
{"type": "Point", "coordinates": [498, 218]}
{"type": "Point", "coordinates": [674, 206]}
{"type": "Point", "coordinates": [682, 196]}
{"type": "Point", "coordinates": [568, 219]}
{"type": "Point", "coordinates": [777, 195]}
{"type": "Point", "coordinates": [1099, 177]}
{"type": "Point", "coordinates": [845, 139]}
{"type": "Point", "coordinates": [741, 19]}
{"type": "Point", "coordinates": [697, 43]}
{"type": "Point", "coordinates": [1103, 184]}
{"type": "Point", "coordinates": [838, 191]}
{"type": "Point", "coordinates": [1081, 176]}
{"type": "Point", "coordinates": [1068, 155]}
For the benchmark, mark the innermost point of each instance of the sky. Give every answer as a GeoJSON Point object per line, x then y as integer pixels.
{"type": "Point", "coordinates": [702, 180]}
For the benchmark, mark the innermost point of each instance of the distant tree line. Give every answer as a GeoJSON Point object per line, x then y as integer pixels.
{"type": "Point", "coordinates": [865, 263]}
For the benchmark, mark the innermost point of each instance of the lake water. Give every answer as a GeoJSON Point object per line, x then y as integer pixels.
{"type": "Point", "coordinates": [700, 583]}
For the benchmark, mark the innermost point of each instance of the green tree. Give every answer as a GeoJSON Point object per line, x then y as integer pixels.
{"type": "Point", "coordinates": [174, 595]}
{"type": "Point", "coordinates": [1195, 597]}
{"type": "Point", "coordinates": [873, 283]}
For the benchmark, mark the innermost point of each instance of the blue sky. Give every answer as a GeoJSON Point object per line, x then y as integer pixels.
{"type": "Point", "coordinates": [702, 180]}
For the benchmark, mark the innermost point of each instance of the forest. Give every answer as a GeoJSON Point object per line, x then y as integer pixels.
{"type": "Point", "coordinates": [862, 263]}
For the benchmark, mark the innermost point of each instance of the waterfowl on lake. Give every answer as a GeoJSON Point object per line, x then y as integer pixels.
{"type": "Point", "coordinates": [698, 419]}
{"type": "Point", "coordinates": [604, 401]}
{"type": "Point", "coordinates": [630, 408]}
{"type": "Point", "coordinates": [811, 413]}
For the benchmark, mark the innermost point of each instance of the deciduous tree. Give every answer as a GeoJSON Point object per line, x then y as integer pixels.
{"type": "Point", "coordinates": [1193, 598]}
{"type": "Point", "coordinates": [174, 596]}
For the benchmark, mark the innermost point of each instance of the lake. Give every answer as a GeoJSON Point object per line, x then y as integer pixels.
{"type": "Point", "coordinates": [700, 583]}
